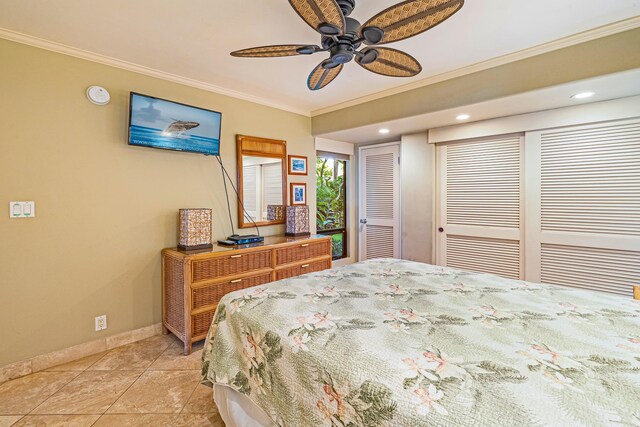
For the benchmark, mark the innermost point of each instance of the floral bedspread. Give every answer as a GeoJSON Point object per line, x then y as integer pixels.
{"type": "Point", "coordinates": [398, 343]}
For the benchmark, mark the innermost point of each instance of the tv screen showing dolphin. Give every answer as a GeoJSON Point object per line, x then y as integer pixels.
{"type": "Point", "coordinates": [158, 123]}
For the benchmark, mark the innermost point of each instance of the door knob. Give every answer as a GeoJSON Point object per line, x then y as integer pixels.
{"type": "Point", "coordinates": [363, 221]}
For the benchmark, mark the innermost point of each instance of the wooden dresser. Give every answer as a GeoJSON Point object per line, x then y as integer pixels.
{"type": "Point", "coordinates": [193, 282]}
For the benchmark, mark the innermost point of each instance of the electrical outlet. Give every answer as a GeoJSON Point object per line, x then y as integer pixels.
{"type": "Point", "coordinates": [101, 322]}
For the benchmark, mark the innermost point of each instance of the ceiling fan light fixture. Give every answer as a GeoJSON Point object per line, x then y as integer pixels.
{"type": "Point", "coordinates": [372, 35]}
{"type": "Point", "coordinates": [306, 50]}
{"type": "Point", "coordinates": [342, 58]}
{"type": "Point", "coordinates": [328, 64]}
{"type": "Point", "coordinates": [342, 53]}
{"type": "Point", "coordinates": [368, 56]}
{"type": "Point", "coordinates": [330, 30]}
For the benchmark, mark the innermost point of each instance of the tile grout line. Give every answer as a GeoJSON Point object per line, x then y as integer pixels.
{"type": "Point", "coordinates": [189, 398]}
{"type": "Point", "coordinates": [140, 372]}
{"type": "Point", "coordinates": [18, 420]}
{"type": "Point", "coordinates": [127, 389]}
{"type": "Point", "coordinates": [131, 385]}
{"type": "Point", "coordinates": [94, 363]}
{"type": "Point", "coordinates": [193, 391]}
{"type": "Point", "coordinates": [87, 369]}
{"type": "Point", "coordinates": [93, 423]}
{"type": "Point", "coordinates": [78, 373]}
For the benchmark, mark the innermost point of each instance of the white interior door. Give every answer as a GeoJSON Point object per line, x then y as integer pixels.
{"type": "Point", "coordinates": [379, 206]}
{"type": "Point", "coordinates": [480, 204]}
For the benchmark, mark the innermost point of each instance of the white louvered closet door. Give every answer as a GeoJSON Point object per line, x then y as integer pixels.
{"type": "Point", "coordinates": [379, 202]}
{"type": "Point", "coordinates": [480, 206]}
{"type": "Point", "coordinates": [588, 224]}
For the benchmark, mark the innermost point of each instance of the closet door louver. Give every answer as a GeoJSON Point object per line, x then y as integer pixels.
{"type": "Point", "coordinates": [590, 207]}
{"type": "Point", "coordinates": [501, 257]}
{"type": "Point", "coordinates": [480, 206]}
{"type": "Point", "coordinates": [380, 186]}
{"type": "Point", "coordinates": [483, 183]}
{"type": "Point", "coordinates": [591, 180]}
{"type": "Point", "coordinates": [378, 239]}
{"type": "Point", "coordinates": [598, 269]}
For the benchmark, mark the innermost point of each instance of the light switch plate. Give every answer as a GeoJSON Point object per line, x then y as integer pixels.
{"type": "Point", "coordinates": [22, 209]}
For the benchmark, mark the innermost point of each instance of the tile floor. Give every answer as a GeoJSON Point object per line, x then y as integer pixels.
{"type": "Point", "coordinates": [147, 383]}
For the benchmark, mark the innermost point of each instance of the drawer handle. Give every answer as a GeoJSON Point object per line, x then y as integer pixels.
{"type": "Point", "coordinates": [236, 281]}
{"type": "Point", "coordinates": [305, 245]}
{"type": "Point", "coordinates": [305, 266]}
{"type": "Point", "coordinates": [236, 256]}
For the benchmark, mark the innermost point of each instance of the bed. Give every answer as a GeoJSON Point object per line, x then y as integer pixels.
{"type": "Point", "coordinates": [399, 343]}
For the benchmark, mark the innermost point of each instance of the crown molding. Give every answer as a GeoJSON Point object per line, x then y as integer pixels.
{"type": "Point", "coordinates": [596, 33]}
{"type": "Point", "coordinates": [141, 69]}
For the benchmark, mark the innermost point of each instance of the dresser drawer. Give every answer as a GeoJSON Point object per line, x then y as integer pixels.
{"type": "Point", "coordinates": [297, 270]}
{"type": "Point", "coordinates": [200, 323]}
{"type": "Point", "coordinates": [302, 252]}
{"type": "Point", "coordinates": [219, 267]}
{"type": "Point", "coordinates": [211, 294]}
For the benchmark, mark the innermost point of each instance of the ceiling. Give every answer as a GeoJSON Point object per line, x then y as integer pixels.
{"type": "Point", "coordinates": [193, 38]}
{"type": "Point", "coordinates": [613, 86]}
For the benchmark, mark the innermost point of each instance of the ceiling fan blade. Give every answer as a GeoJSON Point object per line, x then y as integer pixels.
{"type": "Point", "coordinates": [321, 76]}
{"type": "Point", "coordinates": [408, 19]}
{"type": "Point", "coordinates": [276, 51]}
{"type": "Point", "coordinates": [389, 62]}
{"type": "Point", "coordinates": [324, 16]}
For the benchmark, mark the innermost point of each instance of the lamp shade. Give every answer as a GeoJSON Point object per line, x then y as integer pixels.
{"type": "Point", "coordinates": [298, 221]}
{"type": "Point", "coordinates": [195, 229]}
{"type": "Point", "coordinates": [275, 212]}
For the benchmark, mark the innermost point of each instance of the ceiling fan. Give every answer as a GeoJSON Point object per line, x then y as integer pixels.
{"type": "Point", "coordinates": [342, 36]}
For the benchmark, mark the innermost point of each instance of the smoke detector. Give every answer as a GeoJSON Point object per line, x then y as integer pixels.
{"type": "Point", "coordinates": [98, 95]}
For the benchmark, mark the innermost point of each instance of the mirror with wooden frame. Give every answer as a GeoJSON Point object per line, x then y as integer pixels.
{"type": "Point", "coordinates": [262, 181]}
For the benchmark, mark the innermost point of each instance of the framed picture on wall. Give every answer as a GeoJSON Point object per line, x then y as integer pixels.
{"type": "Point", "coordinates": [298, 165]}
{"type": "Point", "coordinates": [298, 194]}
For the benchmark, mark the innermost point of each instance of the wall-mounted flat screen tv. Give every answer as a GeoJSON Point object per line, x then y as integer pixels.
{"type": "Point", "coordinates": [158, 123]}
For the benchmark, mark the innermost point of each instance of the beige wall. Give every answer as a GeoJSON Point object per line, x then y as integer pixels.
{"type": "Point", "coordinates": [418, 176]}
{"type": "Point", "coordinates": [104, 209]}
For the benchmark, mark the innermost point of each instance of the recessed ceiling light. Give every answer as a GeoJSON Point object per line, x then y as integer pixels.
{"type": "Point", "coordinates": [384, 131]}
{"type": "Point", "coordinates": [462, 117]}
{"type": "Point", "coordinates": [583, 95]}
